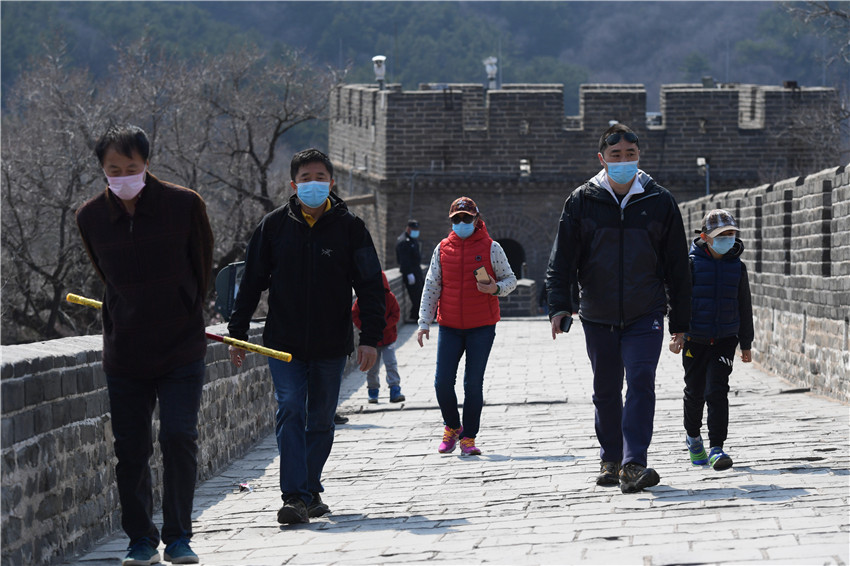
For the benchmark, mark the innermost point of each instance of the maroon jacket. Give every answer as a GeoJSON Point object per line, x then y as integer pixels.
{"type": "Point", "coordinates": [156, 266]}
{"type": "Point", "coordinates": [393, 314]}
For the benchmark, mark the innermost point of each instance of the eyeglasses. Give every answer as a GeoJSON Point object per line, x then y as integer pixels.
{"type": "Point", "coordinates": [614, 138]}
{"type": "Point", "coordinates": [465, 218]}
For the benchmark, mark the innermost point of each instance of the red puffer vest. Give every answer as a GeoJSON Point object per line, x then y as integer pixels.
{"type": "Point", "coordinates": [461, 304]}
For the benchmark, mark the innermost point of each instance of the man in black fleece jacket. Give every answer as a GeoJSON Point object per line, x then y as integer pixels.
{"type": "Point", "coordinates": [151, 244]}
{"type": "Point", "coordinates": [309, 254]}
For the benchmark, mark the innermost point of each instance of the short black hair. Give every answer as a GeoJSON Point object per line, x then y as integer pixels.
{"type": "Point", "coordinates": [306, 156]}
{"type": "Point", "coordinates": [126, 139]}
{"type": "Point", "coordinates": [617, 128]}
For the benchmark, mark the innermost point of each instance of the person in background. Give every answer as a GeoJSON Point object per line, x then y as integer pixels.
{"type": "Point", "coordinates": [151, 244]}
{"type": "Point", "coordinates": [467, 274]}
{"type": "Point", "coordinates": [721, 317]}
{"type": "Point", "coordinates": [408, 252]}
{"type": "Point", "coordinates": [386, 349]}
{"type": "Point", "coordinates": [621, 246]}
{"type": "Point", "coordinates": [309, 253]}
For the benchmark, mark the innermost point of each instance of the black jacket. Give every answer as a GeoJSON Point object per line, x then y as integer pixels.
{"type": "Point", "coordinates": [623, 263]}
{"type": "Point", "coordinates": [409, 256]}
{"type": "Point", "coordinates": [721, 305]}
{"type": "Point", "coordinates": [309, 273]}
{"type": "Point", "coordinates": [156, 265]}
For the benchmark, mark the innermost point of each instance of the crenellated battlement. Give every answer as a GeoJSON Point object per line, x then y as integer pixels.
{"type": "Point", "coordinates": [743, 131]}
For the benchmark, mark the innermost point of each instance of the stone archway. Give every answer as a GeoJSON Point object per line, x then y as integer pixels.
{"type": "Point", "coordinates": [516, 255]}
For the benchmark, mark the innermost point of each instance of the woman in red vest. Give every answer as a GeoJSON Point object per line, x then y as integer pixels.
{"type": "Point", "coordinates": [468, 272]}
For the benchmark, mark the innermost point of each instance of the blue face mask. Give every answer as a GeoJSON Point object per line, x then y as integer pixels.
{"type": "Point", "coordinates": [414, 233]}
{"type": "Point", "coordinates": [622, 172]}
{"type": "Point", "coordinates": [464, 230]}
{"type": "Point", "coordinates": [723, 244]}
{"type": "Point", "coordinates": [313, 193]}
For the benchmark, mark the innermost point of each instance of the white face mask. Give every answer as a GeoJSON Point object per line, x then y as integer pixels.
{"type": "Point", "coordinates": [127, 188]}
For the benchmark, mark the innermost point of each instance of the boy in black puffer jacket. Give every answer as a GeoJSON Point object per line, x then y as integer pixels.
{"type": "Point", "coordinates": [721, 318]}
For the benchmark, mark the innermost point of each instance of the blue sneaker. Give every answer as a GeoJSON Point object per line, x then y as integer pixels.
{"type": "Point", "coordinates": [718, 459]}
{"type": "Point", "coordinates": [696, 451]}
{"type": "Point", "coordinates": [373, 395]}
{"type": "Point", "coordinates": [395, 394]}
{"type": "Point", "coordinates": [179, 552]}
{"type": "Point", "coordinates": [141, 553]}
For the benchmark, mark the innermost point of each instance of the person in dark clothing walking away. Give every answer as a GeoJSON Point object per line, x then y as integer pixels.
{"type": "Point", "coordinates": [309, 254]}
{"type": "Point", "coordinates": [721, 318]}
{"type": "Point", "coordinates": [621, 247]}
{"type": "Point", "coordinates": [408, 252]}
{"type": "Point", "coordinates": [151, 245]}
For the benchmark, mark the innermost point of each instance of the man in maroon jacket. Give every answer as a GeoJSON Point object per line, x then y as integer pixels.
{"type": "Point", "coordinates": [151, 245]}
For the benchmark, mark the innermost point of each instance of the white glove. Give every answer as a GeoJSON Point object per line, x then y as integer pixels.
{"type": "Point", "coordinates": [411, 279]}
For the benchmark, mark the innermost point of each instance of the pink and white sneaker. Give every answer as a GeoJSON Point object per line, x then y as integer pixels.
{"type": "Point", "coordinates": [450, 436]}
{"type": "Point", "coordinates": [467, 447]}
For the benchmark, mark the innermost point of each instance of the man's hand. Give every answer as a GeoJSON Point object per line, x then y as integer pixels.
{"type": "Point", "coordinates": [237, 355]}
{"type": "Point", "coordinates": [366, 357]}
{"type": "Point", "coordinates": [556, 324]}
{"type": "Point", "coordinates": [489, 288]}
{"type": "Point", "coordinates": [411, 279]}
{"type": "Point", "coordinates": [677, 342]}
{"type": "Point", "coordinates": [423, 332]}
{"type": "Point", "coordinates": [746, 356]}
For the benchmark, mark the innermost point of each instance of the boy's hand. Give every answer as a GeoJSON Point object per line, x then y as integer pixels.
{"type": "Point", "coordinates": [746, 356]}
{"type": "Point", "coordinates": [423, 332]}
{"type": "Point", "coordinates": [677, 341]}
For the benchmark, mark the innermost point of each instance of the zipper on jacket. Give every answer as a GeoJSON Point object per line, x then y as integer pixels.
{"type": "Point", "coordinates": [622, 262]}
{"type": "Point", "coordinates": [642, 196]}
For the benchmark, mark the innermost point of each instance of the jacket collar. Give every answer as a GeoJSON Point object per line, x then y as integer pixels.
{"type": "Point", "coordinates": [146, 205]}
{"type": "Point", "coordinates": [337, 204]}
{"type": "Point", "coordinates": [639, 184]}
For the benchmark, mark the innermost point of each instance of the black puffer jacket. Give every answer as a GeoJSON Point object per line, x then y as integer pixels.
{"type": "Point", "coordinates": [310, 273]}
{"type": "Point", "coordinates": [623, 263]}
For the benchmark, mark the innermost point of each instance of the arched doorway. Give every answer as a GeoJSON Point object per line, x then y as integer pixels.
{"type": "Point", "coordinates": [516, 256]}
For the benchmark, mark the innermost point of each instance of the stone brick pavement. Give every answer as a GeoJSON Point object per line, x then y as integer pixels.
{"type": "Point", "coordinates": [530, 497]}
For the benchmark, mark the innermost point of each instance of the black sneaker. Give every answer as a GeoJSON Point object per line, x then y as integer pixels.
{"type": "Point", "coordinates": [317, 507]}
{"type": "Point", "coordinates": [293, 511]}
{"type": "Point", "coordinates": [634, 478]}
{"type": "Point", "coordinates": [339, 419]}
{"type": "Point", "coordinates": [609, 473]}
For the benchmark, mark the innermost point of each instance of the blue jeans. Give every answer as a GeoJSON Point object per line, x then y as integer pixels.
{"type": "Point", "coordinates": [387, 355]}
{"type": "Point", "coordinates": [307, 393]}
{"type": "Point", "coordinates": [624, 431]}
{"type": "Point", "coordinates": [132, 403]}
{"type": "Point", "coordinates": [451, 344]}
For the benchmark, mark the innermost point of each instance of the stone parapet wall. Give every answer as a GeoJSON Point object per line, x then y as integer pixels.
{"type": "Point", "coordinates": [797, 251]}
{"type": "Point", "coordinates": [522, 302]}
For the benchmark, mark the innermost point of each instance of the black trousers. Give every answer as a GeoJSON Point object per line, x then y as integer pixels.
{"type": "Point", "coordinates": [707, 370]}
{"type": "Point", "coordinates": [415, 293]}
{"type": "Point", "coordinates": [132, 403]}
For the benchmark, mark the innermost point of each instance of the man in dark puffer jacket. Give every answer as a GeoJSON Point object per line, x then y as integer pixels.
{"type": "Point", "coordinates": [621, 246]}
